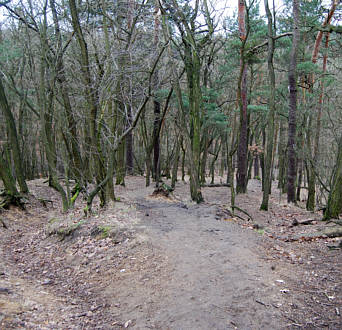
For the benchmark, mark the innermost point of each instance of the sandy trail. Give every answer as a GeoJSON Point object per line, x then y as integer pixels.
{"type": "Point", "coordinates": [217, 281]}
{"type": "Point", "coordinates": [175, 265]}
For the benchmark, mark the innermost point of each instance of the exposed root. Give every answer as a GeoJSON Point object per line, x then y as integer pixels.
{"type": "Point", "coordinates": [243, 211]}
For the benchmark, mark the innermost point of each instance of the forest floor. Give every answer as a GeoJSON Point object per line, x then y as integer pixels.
{"type": "Point", "coordinates": [167, 263]}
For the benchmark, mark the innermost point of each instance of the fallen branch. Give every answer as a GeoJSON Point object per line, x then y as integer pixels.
{"type": "Point", "coordinates": [295, 222]}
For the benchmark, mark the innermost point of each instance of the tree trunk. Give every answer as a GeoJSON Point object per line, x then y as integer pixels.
{"type": "Point", "coordinates": [7, 177]}
{"type": "Point", "coordinates": [91, 96]}
{"type": "Point", "coordinates": [256, 167]}
{"type": "Point", "coordinates": [109, 187]}
{"type": "Point", "coordinates": [156, 142]}
{"type": "Point", "coordinates": [156, 104]}
{"type": "Point", "coordinates": [75, 154]}
{"type": "Point", "coordinates": [300, 179]}
{"type": "Point", "coordinates": [241, 175]}
{"type": "Point", "coordinates": [262, 158]}
{"type": "Point", "coordinates": [223, 164]}
{"type": "Point", "coordinates": [129, 146]}
{"type": "Point", "coordinates": [310, 205]}
{"type": "Point", "coordinates": [120, 164]}
{"type": "Point", "coordinates": [217, 149]}
{"type": "Point", "coordinates": [291, 145]}
{"type": "Point", "coordinates": [183, 160]}
{"type": "Point", "coordinates": [282, 158]}
{"type": "Point", "coordinates": [148, 150]}
{"type": "Point", "coordinates": [204, 156]}
{"type": "Point", "coordinates": [334, 206]}
{"type": "Point", "coordinates": [13, 138]}
{"type": "Point", "coordinates": [175, 165]}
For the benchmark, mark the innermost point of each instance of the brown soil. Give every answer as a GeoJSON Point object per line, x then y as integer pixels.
{"type": "Point", "coordinates": [155, 262]}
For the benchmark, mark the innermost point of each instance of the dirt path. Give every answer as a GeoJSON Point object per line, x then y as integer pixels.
{"type": "Point", "coordinates": [217, 282]}
{"type": "Point", "coordinates": [153, 263]}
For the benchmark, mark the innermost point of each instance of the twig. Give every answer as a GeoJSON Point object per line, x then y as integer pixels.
{"type": "Point", "coordinates": [260, 302]}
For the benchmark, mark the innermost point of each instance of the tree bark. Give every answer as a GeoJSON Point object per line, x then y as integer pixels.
{"type": "Point", "coordinates": [334, 206]}
{"type": "Point", "coordinates": [271, 113]}
{"type": "Point", "coordinates": [90, 95]}
{"type": "Point", "coordinates": [175, 164]}
{"type": "Point", "coordinates": [156, 104]}
{"type": "Point", "coordinates": [75, 154]}
{"type": "Point", "coordinates": [241, 175]}
{"type": "Point", "coordinates": [13, 138]}
{"type": "Point", "coordinates": [7, 178]}
{"type": "Point", "coordinates": [291, 145]}
{"type": "Point", "coordinates": [129, 146]}
{"type": "Point", "coordinates": [156, 141]}
{"type": "Point", "coordinates": [192, 117]}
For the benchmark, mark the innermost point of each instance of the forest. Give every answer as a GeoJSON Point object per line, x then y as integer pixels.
{"type": "Point", "coordinates": [102, 98]}
{"type": "Point", "coordinates": [94, 91]}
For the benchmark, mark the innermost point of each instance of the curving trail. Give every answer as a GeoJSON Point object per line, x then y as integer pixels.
{"type": "Point", "coordinates": [171, 264]}
{"type": "Point", "coordinates": [218, 281]}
